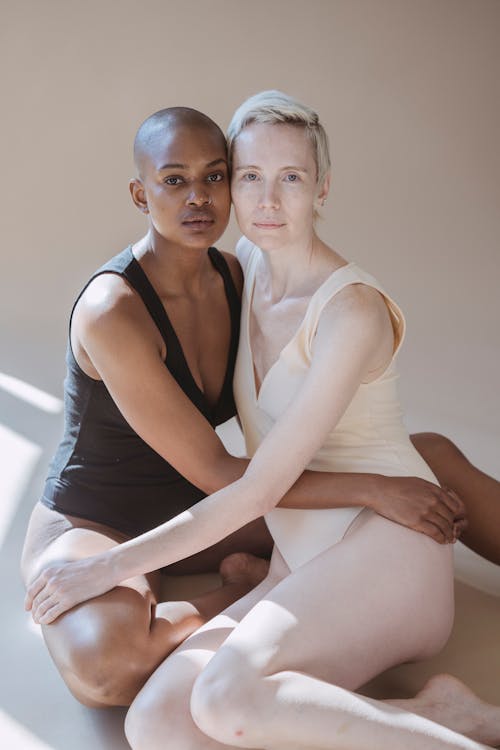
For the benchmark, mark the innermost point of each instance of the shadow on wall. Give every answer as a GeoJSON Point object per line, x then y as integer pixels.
{"type": "Point", "coordinates": [36, 710]}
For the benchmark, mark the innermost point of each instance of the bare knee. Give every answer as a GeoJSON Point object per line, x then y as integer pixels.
{"type": "Point", "coordinates": [225, 701]}
{"type": "Point", "coordinates": [147, 723]}
{"type": "Point", "coordinates": [161, 709]}
{"type": "Point", "coordinates": [106, 653]}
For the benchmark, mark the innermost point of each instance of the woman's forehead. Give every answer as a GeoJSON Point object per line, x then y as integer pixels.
{"type": "Point", "coordinates": [273, 141]}
{"type": "Point", "coordinates": [185, 147]}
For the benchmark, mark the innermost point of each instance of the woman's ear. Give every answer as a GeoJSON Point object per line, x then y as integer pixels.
{"type": "Point", "coordinates": [138, 194]}
{"type": "Point", "coordinates": [324, 190]}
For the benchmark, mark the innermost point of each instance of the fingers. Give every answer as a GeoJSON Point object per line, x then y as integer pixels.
{"type": "Point", "coordinates": [437, 512]}
{"type": "Point", "coordinates": [448, 513]}
{"type": "Point", "coordinates": [41, 597]}
{"type": "Point", "coordinates": [50, 615]}
{"type": "Point", "coordinates": [40, 609]}
{"type": "Point", "coordinates": [443, 524]}
{"type": "Point", "coordinates": [430, 529]}
{"type": "Point", "coordinates": [35, 588]}
{"type": "Point", "coordinates": [47, 606]}
{"type": "Point", "coordinates": [47, 612]}
{"type": "Point", "coordinates": [454, 502]}
{"type": "Point", "coordinates": [436, 527]}
{"type": "Point", "coordinates": [40, 602]}
{"type": "Point", "coordinates": [459, 528]}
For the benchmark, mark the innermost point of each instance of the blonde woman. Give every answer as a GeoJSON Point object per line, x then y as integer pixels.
{"type": "Point", "coordinates": [349, 592]}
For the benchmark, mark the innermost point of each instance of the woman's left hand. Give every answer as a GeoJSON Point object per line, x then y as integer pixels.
{"type": "Point", "coordinates": [60, 587]}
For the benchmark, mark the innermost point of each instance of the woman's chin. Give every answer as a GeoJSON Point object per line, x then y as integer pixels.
{"type": "Point", "coordinates": [268, 239]}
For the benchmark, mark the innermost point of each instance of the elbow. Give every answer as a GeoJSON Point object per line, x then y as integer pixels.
{"type": "Point", "coordinates": [258, 492]}
{"type": "Point", "coordinates": [220, 472]}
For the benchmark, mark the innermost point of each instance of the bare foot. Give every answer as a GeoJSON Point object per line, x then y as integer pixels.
{"type": "Point", "coordinates": [447, 701]}
{"type": "Point", "coordinates": [243, 568]}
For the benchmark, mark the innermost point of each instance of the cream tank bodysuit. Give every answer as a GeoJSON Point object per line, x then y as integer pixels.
{"type": "Point", "coordinates": [369, 437]}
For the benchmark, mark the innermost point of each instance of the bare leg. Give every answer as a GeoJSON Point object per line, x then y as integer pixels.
{"type": "Point", "coordinates": [448, 701]}
{"type": "Point", "coordinates": [479, 492]}
{"type": "Point", "coordinates": [163, 703]}
{"type": "Point", "coordinates": [363, 605]}
{"type": "Point", "coordinates": [387, 600]}
{"type": "Point", "coordinates": [106, 649]}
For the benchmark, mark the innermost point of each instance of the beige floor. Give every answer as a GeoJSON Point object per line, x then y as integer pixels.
{"type": "Point", "coordinates": [37, 712]}
{"type": "Point", "coordinates": [472, 653]}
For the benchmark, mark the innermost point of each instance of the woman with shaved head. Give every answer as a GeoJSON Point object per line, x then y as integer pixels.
{"type": "Point", "coordinates": [152, 351]}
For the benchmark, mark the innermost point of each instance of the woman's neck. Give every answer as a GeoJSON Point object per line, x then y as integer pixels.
{"type": "Point", "coordinates": [176, 270]}
{"type": "Point", "coordinates": [297, 270]}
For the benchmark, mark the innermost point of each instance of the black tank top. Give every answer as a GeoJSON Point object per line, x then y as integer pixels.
{"type": "Point", "coordinates": [103, 471]}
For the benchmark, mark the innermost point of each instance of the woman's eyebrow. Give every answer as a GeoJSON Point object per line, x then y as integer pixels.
{"type": "Point", "coordinates": [245, 166]}
{"type": "Point", "coordinates": [217, 161]}
{"type": "Point", "coordinates": [282, 169]}
{"type": "Point", "coordinates": [172, 166]}
{"type": "Point", "coordinates": [186, 166]}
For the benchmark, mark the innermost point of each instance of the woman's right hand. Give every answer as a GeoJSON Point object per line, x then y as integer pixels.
{"type": "Point", "coordinates": [60, 587]}
{"type": "Point", "coordinates": [422, 506]}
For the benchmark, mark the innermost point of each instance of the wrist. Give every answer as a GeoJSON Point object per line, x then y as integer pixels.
{"type": "Point", "coordinates": [114, 565]}
{"type": "Point", "coordinates": [376, 491]}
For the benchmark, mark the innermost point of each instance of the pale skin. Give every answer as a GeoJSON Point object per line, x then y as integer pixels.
{"type": "Point", "coordinates": [112, 334]}
{"type": "Point", "coordinates": [275, 637]}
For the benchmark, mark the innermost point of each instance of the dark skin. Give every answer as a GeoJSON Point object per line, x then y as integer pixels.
{"type": "Point", "coordinates": [479, 492]}
{"type": "Point", "coordinates": [112, 333]}
{"type": "Point", "coordinates": [187, 206]}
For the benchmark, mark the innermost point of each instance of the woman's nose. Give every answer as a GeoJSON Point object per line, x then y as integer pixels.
{"type": "Point", "coordinates": [269, 196]}
{"type": "Point", "coordinates": [198, 196]}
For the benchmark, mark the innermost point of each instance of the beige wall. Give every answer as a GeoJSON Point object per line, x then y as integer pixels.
{"type": "Point", "coordinates": [409, 90]}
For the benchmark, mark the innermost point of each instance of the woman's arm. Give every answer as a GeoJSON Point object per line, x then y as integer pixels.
{"type": "Point", "coordinates": [348, 326]}
{"type": "Point", "coordinates": [410, 501]}
{"type": "Point", "coordinates": [116, 336]}
{"type": "Point", "coordinates": [114, 339]}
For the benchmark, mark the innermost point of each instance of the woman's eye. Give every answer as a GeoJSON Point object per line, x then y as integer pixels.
{"type": "Point", "coordinates": [172, 180]}
{"type": "Point", "coordinates": [216, 177]}
{"type": "Point", "coordinates": [291, 177]}
{"type": "Point", "coordinates": [250, 177]}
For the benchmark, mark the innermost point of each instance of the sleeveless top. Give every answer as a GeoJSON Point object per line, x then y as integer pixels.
{"type": "Point", "coordinates": [370, 436]}
{"type": "Point", "coordinates": [102, 470]}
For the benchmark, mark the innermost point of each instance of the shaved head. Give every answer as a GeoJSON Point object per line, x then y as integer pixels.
{"type": "Point", "coordinates": [164, 124]}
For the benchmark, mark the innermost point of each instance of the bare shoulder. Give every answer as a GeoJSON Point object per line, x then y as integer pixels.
{"type": "Point", "coordinates": [106, 294]}
{"type": "Point", "coordinates": [235, 269]}
{"type": "Point", "coordinates": [107, 305]}
{"type": "Point", "coordinates": [358, 307]}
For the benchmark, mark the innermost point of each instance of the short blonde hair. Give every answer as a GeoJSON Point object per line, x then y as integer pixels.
{"type": "Point", "coordinates": [276, 107]}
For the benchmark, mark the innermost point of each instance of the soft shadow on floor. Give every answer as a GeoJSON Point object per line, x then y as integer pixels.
{"type": "Point", "coordinates": [36, 710]}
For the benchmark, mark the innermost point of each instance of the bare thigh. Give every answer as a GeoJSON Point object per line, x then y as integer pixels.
{"type": "Point", "coordinates": [52, 537]}
{"type": "Point", "coordinates": [107, 647]}
{"type": "Point", "coordinates": [380, 597]}
{"type": "Point", "coordinates": [164, 700]}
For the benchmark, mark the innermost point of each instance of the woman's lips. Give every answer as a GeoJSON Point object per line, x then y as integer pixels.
{"type": "Point", "coordinates": [198, 224]}
{"type": "Point", "coordinates": [268, 224]}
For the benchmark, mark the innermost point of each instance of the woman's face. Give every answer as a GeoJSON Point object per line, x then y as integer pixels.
{"type": "Point", "coordinates": [274, 185]}
{"type": "Point", "coordinates": [184, 186]}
